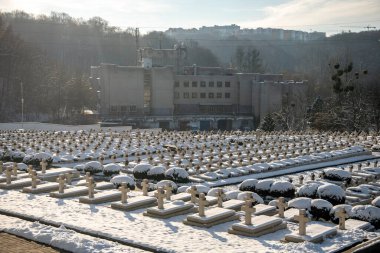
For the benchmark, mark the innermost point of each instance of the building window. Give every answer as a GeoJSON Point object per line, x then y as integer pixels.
{"type": "Point", "coordinates": [203, 95]}
{"type": "Point", "coordinates": [123, 108]}
{"type": "Point", "coordinates": [219, 84]}
{"type": "Point", "coordinates": [186, 95]}
{"type": "Point", "coordinates": [227, 84]}
{"type": "Point", "coordinates": [219, 95]}
{"type": "Point", "coordinates": [176, 95]}
{"type": "Point", "coordinates": [210, 84]}
{"type": "Point", "coordinates": [194, 84]}
{"type": "Point", "coordinates": [227, 95]}
{"type": "Point", "coordinates": [113, 108]}
{"type": "Point", "coordinates": [203, 84]}
{"type": "Point", "coordinates": [211, 95]}
{"type": "Point", "coordinates": [132, 108]}
{"type": "Point", "coordinates": [176, 84]}
{"type": "Point", "coordinates": [194, 95]}
{"type": "Point", "coordinates": [186, 84]}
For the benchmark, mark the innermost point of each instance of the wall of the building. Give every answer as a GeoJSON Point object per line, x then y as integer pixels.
{"type": "Point", "coordinates": [162, 91]}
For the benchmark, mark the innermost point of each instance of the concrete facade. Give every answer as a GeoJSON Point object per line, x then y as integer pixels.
{"type": "Point", "coordinates": [198, 98]}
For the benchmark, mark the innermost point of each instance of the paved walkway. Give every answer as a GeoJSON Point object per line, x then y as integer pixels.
{"type": "Point", "coordinates": [13, 244]}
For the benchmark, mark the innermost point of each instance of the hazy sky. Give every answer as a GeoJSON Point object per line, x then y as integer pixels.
{"type": "Point", "coordinates": [331, 16]}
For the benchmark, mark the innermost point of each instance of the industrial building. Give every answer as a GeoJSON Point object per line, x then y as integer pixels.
{"type": "Point", "coordinates": [171, 96]}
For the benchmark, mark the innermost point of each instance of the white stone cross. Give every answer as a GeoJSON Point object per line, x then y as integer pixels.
{"type": "Point", "coordinates": [300, 178]}
{"type": "Point", "coordinates": [302, 220]}
{"type": "Point", "coordinates": [91, 187]}
{"type": "Point", "coordinates": [34, 179]}
{"type": "Point", "coordinates": [61, 181]}
{"type": "Point", "coordinates": [193, 192]}
{"type": "Point", "coordinates": [69, 177]}
{"type": "Point", "coordinates": [43, 164]}
{"type": "Point", "coordinates": [202, 204]}
{"type": "Point", "coordinates": [168, 191]}
{"type": "Point", "coordinates": [124, 192]}
{"type": "Point", "coordinates": [221, 195]}
{"type": "Point", "coordinates": [30, 169]}
{"type": "Point", "coordinates": [15, 168]}
{"type": "Point", "coordinates": [145, 186]}
{"type": "Point", "coordinates": [88, 175]}
{"type": "Point", "coordinates": [342, 215]}
{"type": "Point", "coordinates": [160, 194]}
{"type": "Point", "coordinates": [249, 209]}
{"type": "Point", "coordinates": [281, 206]}
{"type": "Point", "coordinates": [8, 175]}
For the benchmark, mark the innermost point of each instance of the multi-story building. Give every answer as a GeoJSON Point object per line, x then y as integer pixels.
{"type": "Point", "coordinates": [198, 97]}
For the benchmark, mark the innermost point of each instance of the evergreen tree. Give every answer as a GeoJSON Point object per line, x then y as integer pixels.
{"type": "Point", "coordinates": [267, 124]}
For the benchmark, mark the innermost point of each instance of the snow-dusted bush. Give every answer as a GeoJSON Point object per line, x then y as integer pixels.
{"type": "Point", "coordinates": [232, 194]}
{"type": "Point", "coordinates": [36, 158]}
{"type": "Point", "coordinates": [93, 167]}
{"type": "Point", "coordinates": [200, 189]}
{"type": "Point", "coordinates": [263, 186]}
{"type": "Point", "coordinates": [182, 189]}
{"type": "Point", "coordinates": [156, 173]}
{"type": "Point", "coordinates": [248, 185]}
{"type": "Point", "coordinates": [273, 202]}
{"type": "Point", "coordinates": [16, 156]}
{"type": "Point", "coordinates": [140, 171]}
{"type": "Point", "coordinates": [212, 175]}
{"type": "Point", "coordinates": [111, 169]}
{"type": "Point", "coordinates": [119, 179]}
{"type": "Point", "coordinates": [300, 203]}
{"type": "Point", "coordinates": [376, 202]}
{"type": "Point", "coordinates": [214, 192]}
{"type": "Point", "coordinates": [336, 208]}
{"type": "Point", "coordinates": [4, 155]}
{"type": "Point", "coordinates": [367, 213]}
{"type": "Point", "coordinates": [164, 183]}
{"type": "Point", "coordinates": [22, 166]}
{"type": "Point", "coordinates": [282, 189]}
{"type": "Point", "coordinates": [308, 190]}
{"type": "Point", "coordinates": [255, 196]}
{"type": "Point", "coordinates": [79, 167]}
{"type": "Point", "coordinates": [178, 175]}
{"type": "Point", "coordinates": [332, 193]}
{"type": "Point", "coordinates": [337, 175]}
{"type": "Point", "coordinates": [320, 209]}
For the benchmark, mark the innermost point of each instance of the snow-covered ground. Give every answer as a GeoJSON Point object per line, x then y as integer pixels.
{"type": "Point", "coordinates": [54, 127]}
{"type": "Point", "coordinates": [169, 235]}
{"type": "Point", "coordinates": [60, 237]}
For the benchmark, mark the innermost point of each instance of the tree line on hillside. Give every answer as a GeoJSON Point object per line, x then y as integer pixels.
{"type": "Point", "coordinates": [51, 55]}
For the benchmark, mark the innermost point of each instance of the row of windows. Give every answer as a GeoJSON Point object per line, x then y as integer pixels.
{"type": "Point", "coordinates": [219, 84]}
{"type": "Point", "coordinates": [202, 95]}
{"type": "Point", "coordinates": [123, 108]}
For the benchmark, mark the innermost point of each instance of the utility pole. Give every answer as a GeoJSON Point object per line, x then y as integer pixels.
{"type": "Point", "coordinates": [370, 27]}
{"type": "Point", "coordinates": [22, 105]}
{"type": "Point", "coordinates": [137, 34]}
